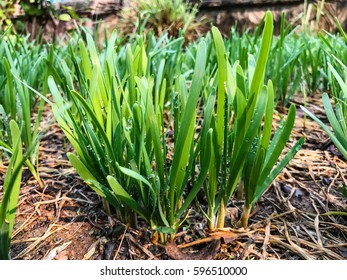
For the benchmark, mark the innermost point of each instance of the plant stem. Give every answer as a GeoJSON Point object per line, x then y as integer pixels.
{"type": "Point", "coordinates": [245, 215]}
{"type": "Point", "coordinates": [164, 238]}
{"type": "Point", "coordinates": [106, 206]}
{"type": "Point", "coordinates": [132, 218]}
{"type": "Point", "coordinates": [221, 215]}
{"type": "Point", "coordinates": [211, 219]}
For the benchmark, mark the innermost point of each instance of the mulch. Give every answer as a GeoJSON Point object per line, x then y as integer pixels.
{"type": "Point", "coordinates": [299, 217]}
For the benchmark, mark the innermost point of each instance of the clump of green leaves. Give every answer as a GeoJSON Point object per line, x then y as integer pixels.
{"type": "Point", "coordinates": [12, 181]}
{"type": "Point", "coordinates": [286, 50]}
{"type": "Point", "coordinates": [337, 75]}
{"type": "Point", "coordinates": [112, 111]}
{"type": "Point", "coordinates": [122, 142]}
{"type": "Point", "coordinates": [243, 127]}
{"type": "Point", "coordinates": [160, 16]}
{"type": "Point", "coordinates": [21, 67]}
{"type": "Point", "coordinates": [337, 118]}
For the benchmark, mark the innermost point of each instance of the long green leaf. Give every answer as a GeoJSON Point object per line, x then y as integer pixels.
{"type": "Point", "coordinates": [338, 144]}
{"type": "Point", "coordinates": [335, 124]}
{"type": "Point", "coordinates": [201, 178]}
{"type": "Point", "coordinates": [279, 143]}
{"type": "Point", "coordinates": [258, 78]}
{"type": "Point", "coordinates": [277, 170]}
{"type": "Point", "coordinates": [186, 131]}
{"type": "Point", "coordinates": [222, 80]}
{"type": "Point", "coordinates": [12, 183]}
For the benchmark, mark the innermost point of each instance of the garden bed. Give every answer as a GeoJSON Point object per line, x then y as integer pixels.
{"type": "Point", "coordinates": [146, 145]}
{"type": "Point", "coordinates": [65, 220]}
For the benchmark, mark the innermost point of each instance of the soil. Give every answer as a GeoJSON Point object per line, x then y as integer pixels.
{"type": "Point", "coordinates": [295, 219]}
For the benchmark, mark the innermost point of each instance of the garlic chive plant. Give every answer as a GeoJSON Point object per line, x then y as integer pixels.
{"type": "Point", "coordinates": [117, 128]}
{"type": "Point", "coordinates": [11, 188]}
{"type": "Point", "coordinates": [134, 133]}
{"type": "Point", "coordinates": [22, 66]}
{"type": "Point", "coordinates": [337, 113]}
{"type": "Point", "coordinates": [336, 72]}
{"type": "Point", "coordinates": [243, 128]}
{"type": "Point", "coordinates": [338, 117]}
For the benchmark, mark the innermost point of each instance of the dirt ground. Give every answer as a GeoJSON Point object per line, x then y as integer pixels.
{"type": "Point", "coordinates": [295, 219]}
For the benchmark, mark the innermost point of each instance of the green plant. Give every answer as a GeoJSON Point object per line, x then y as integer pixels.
{"type": "Point", "coordinates": [11, 189]}
{"type": "Point", "coordinates": [285, 55]}
{"type": "Point", "coordinates": [311, 60]}
{"type": "Point", "coordinates": [22, 61]}
{"type": "Point", "coordinates": [118, 131]}
{"type": "Point", "coordinates": [160, 16]}
{"type": "Point", "coordinates": [241, 142]}
{"type": "Point", "coordinates": [231, 145]}
{"type": "Point", "coordinates": [337, 118]}
{"type": "Point", "coordinates": [335, 54]}
{"type": "Point", "coordinates": [262, 165]}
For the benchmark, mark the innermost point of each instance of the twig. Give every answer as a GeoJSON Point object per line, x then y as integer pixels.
{"type": "Point", "coordinates": [121, 243]}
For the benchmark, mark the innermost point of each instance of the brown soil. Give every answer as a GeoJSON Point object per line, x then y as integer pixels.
{"type": "Point", "coordinates": [65, 220]}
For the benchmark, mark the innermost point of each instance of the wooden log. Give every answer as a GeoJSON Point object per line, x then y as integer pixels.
{"type": "Point", "coordinates": [96, 7]}
{"type": "Point", "coordinates": [253, 3]}
{"type": "Point", "coordinates": [249, 16]}
{"type": "Point", "coordinates": [82, 7]}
